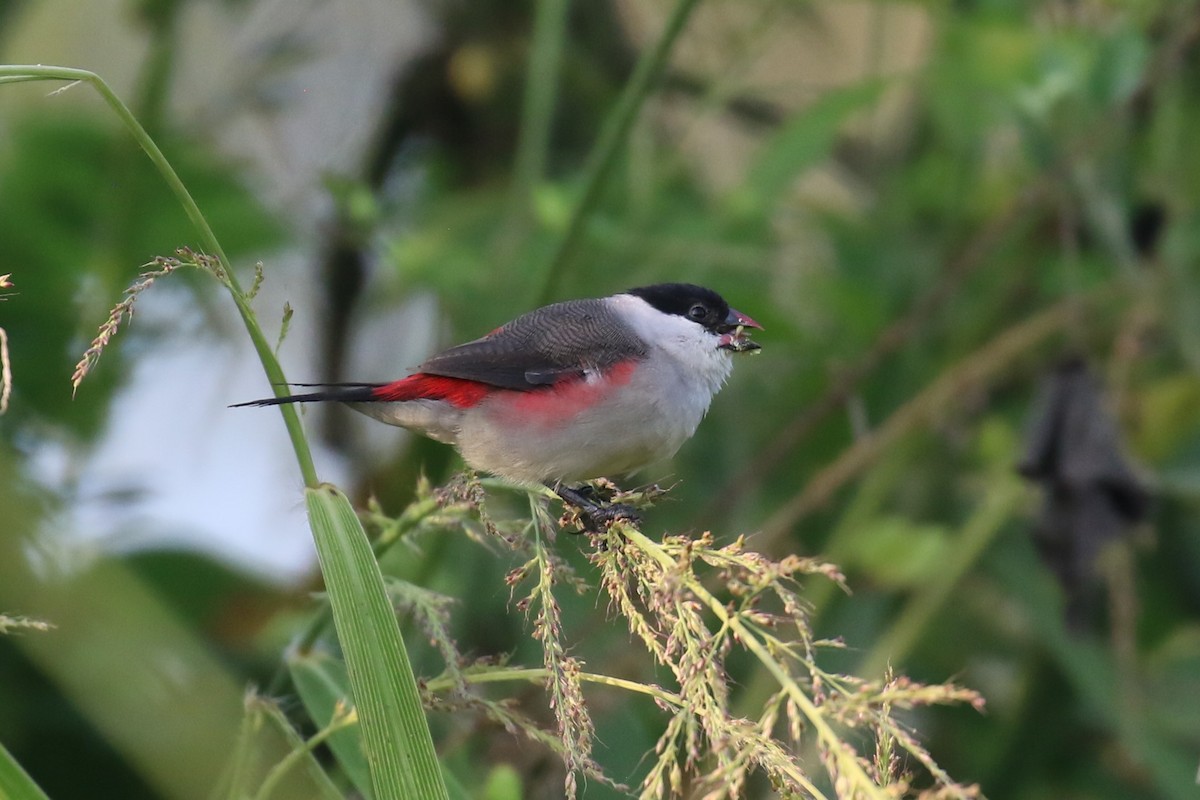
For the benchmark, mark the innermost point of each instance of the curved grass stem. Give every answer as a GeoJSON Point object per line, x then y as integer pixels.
{"type": "Point", "coordinates": [297, 755]}
{"type": "Point", "coordinates": [540, 674]}
{"type": "Point", "coordinates": [396, 737]}
{"type": "Point", "coordinates": [208, 239]}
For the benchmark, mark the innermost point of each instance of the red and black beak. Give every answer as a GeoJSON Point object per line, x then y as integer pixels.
{"type": "Point", "coordinates": [733, 333]}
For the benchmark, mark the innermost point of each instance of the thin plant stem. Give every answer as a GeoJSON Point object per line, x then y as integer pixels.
{"type": "Point", "coordinates": [540, 674]}
{"type": "Point", "coordinates": [541, 89]}
{"type": "Point", "coordinates": [612, 135]}
{"type": "Point", "coordinates": [293, 758]}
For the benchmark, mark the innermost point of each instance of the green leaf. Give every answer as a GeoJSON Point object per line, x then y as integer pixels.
{"type": "Point", "coordinates": [15, 783]}
{"type": "Point", "coordinates": [395, 733]}
{"type": "Point", "coordinates": [503, 783]}
{"type": "Point", "coordinates": [898, 552]}
{"type": "Point", "coordinates": [805, 141]}
{"type": "Point", "coordinates": [322, 682]}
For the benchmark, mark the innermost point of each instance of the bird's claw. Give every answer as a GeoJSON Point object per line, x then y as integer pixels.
{"type": "Point", "coordinates": [602, 518]}
{"type": "Point", "coordinates": [591, 516]}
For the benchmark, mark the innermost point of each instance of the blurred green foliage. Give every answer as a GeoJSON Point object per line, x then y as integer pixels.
{"type": "Point", "coordinates": [1043, 162]}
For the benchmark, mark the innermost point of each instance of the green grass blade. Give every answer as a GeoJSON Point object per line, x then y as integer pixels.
{"type": "Point", "coordinates": [805, 141]}
{"type": "Point", "coordinates": [321, 682]}
{"type": "Point", "coordinates": [395, 733]}
{"type": "Point", "coordinates": [541, 90]}
{"type": "Point", "coordinates": [15, 783]}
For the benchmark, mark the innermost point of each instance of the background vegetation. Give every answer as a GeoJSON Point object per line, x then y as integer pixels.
{"type": "Point", "coordinates": [928, 206]}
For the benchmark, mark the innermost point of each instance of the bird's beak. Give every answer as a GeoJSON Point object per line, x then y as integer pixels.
{"type": "Point", "coordinates": [733, 333]}
{"type": "Point", "coordinates": [736, 319]}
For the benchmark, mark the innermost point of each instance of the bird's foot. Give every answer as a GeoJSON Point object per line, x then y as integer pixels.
{"type": "Point", "coordinates": [598, 521]}
{"type": "Point", "coordinates": [592, 517]}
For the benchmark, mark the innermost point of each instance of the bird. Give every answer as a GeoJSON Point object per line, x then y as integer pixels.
{"type": "Point", "coordinates": [569, 392]}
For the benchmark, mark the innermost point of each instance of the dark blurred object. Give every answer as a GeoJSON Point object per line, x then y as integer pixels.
{"type": "Point", "coordinates": [1146, 225]}
{"type": "Point", "coordinates": [1092, 494]}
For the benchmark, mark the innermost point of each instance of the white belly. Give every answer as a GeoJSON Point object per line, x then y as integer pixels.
{"type": "Point", "coordinates": [537, 438]}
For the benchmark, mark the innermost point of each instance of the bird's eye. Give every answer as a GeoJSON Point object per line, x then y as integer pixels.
{"type": "Point", "coordinates": [697, 312]}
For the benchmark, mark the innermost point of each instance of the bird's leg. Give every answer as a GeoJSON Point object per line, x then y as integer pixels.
{"type": "Point", "coordinates": [595, 517]}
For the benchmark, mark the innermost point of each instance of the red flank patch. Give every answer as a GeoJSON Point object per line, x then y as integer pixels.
{"type": "Point", "coordinates": [457, 392]}
{"type": "Point", "coordinates": [552, 404]}
{"type": "Point", "coordinates": [561, 401]}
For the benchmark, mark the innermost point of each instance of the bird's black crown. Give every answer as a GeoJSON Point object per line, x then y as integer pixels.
{"type": "Point", "coordinates": [700, 305]}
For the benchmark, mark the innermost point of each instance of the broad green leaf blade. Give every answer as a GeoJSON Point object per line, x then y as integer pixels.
{"type": "Point", "coordinates": [15, 783]}
{"type": "Point", "coordinates": [395, 733]}
{"type": "Point", "coordinates": [322, 682]}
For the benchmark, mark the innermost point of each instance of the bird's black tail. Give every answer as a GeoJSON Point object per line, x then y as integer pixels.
{"type": "Point", "coordinates": [339, 392]}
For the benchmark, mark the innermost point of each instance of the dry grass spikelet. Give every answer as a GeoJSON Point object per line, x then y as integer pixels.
{"type": "Point", "coordinates": [18, 623]}
{"type": "Point", "coordinates": [158, 268]}
{"type": "Point", "coordinates": [432, 613]}
{"type": "Point", "coordinates": [660, 590]}
{"type": "Point", "coordinates": [575, 729]}
{"type": "Point", "coordinates": [5, 365]}
{"type": "Point", "coordinates": [709, 748]}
